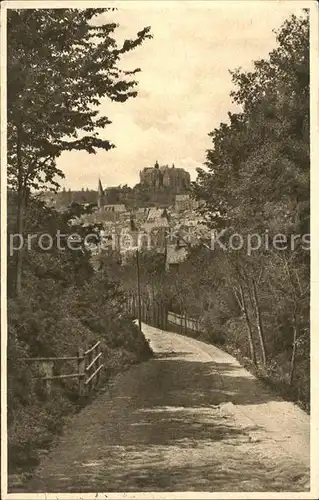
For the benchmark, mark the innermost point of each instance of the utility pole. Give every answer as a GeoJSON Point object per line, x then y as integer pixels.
{"type": "Point", "coordinates": [138, 291]}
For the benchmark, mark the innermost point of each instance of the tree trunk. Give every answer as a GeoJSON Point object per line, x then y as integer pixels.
{"type": "Point", "coordinates": [294, 354]}
{"type": "Point", "coordinates": [165, 315]}
{"type": "Point", "coordinates": [249, 329]}
{"type": "Point", "coordinates": [153, 306]}
{"type": "Point", "coordinates": [20, 214]}
{"type": "Point", "coordinates": [259, 323]}
{"type": "Point", "coordinates": [19, 254]}
{"type": "Point", "coordinates": [134, 305]}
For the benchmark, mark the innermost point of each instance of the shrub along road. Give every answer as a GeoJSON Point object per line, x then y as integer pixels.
{"type": "Point", "coordinates": [190, 419]}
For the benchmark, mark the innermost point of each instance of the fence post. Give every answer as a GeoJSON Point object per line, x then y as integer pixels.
{"type": "Point", "coordinates": [46, 368]}
{"type": "Point", "coordinates": [154, 313]}
{"type": "Point", "coordinates": [81, 371]}
{"type": "Point", "coordinates": [142, 310]}
{"type": "Point", "coordinates": [149, 313]}
{"type": "Point", "coordinates": [98, 365]}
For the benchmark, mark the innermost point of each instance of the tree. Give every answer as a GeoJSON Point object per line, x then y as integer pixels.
{"type": "Point", "coordinates": [61, 64]}
{"type": "Point", "coordinates": [261, 157]}
{"type": "Point", "coordinates": [290, 286]}
{"type": "Point", "coordinates": [257, 180]}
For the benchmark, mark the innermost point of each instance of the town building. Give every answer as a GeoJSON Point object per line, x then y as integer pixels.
{"type": "Point", "coordinates": [175, 255]}
{"type": "Point", "coordinates": [182, 202]}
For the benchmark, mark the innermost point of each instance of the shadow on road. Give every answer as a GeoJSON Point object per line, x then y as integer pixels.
{"type": "Point", "coordinates": [161, 428]}
{"type": "Point", "coordinates": [203, 384]}
{"type": "Point", "coordinates": [170, 354]}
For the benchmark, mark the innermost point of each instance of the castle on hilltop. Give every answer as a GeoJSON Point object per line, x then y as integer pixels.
{"type": "Point", "coordinates": [161, 185]}
{"type": "Point", "coordinates": [162, 177]}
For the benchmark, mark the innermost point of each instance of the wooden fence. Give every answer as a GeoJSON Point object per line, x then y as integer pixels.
{"type": "Point", "coordinates": [156, 314]}
{"type": "Point", "coordinates": [88, 369]}
{"type": "Point", "coordinates": [152, 312]}
{"type": "Point", "coordinates": [184, 322]}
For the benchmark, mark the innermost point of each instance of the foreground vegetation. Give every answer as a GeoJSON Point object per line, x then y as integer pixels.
{"type": "Point", "coordinates": [257, 184]}
{"type": "Point", "coordinates": [64, 305]}
{"type": "Point", "coordinates": [61, 64]}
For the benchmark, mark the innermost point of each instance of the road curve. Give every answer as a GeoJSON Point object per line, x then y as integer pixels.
{"type": "Point", "coordinates": [191, 419]}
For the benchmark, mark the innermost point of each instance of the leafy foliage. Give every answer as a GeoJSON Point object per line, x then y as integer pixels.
{"type": "Point", "coordinates": [61, 64]}
{"type": "Point", "coordinates": [260, 159]}
{"type": "Point", "coordinates": [64, 305]}
{"type": "Point", "coordinates": [255, 302]}
{"type": "Point", "coordinates": [257, 181]}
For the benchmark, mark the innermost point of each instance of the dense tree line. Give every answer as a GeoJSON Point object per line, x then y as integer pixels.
{"type": "Point", "coordinates": [256, 191]}
{"type": "Point", "coordinates": [257, 183]}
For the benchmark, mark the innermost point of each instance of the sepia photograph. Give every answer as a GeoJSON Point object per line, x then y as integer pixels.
{"type": "Point", "coordinates": [157, 339]}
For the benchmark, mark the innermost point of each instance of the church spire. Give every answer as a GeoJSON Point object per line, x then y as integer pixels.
{"type": "Point", "coordinates": [100, 194]}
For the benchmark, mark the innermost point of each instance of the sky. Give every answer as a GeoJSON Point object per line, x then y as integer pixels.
{"type": "Point", "coordinates": [183, 87]}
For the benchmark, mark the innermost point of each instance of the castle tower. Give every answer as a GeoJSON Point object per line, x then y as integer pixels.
{"type": "Point", "coordinates": [100, 195]}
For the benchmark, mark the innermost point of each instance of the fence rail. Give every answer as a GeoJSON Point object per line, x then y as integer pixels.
{"type": "Point", "coordinates": [92, 348]}
{"type": "Point", "coordinates": [89, 366]}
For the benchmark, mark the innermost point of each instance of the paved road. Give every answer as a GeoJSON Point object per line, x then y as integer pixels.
{"type": "Point", "coordinates": [191, 419]}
